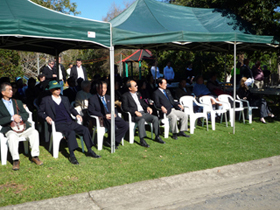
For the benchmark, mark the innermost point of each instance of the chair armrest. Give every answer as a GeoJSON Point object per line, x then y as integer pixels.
{"type": "Point", "coordinates": [53, 127]}
{"type": "Point", "coordinates": [129, 116]}
{"type": "Point", "coordinates": [96, 119]}
{"type": "Point", "coordinates": [246, 102]}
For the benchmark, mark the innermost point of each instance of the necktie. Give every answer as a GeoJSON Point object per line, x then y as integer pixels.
{"type": "Point", "coordinates": [104, 103]}
{"type": "Point", "coordinates": [164, 91]}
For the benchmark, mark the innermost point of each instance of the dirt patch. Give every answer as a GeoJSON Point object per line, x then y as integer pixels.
{"type": "Point", "coordinates": [14, 186]}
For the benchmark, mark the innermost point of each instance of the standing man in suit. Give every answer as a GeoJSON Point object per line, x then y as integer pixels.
{"type": "Point", "coordinates": [13, 110]}
{"type": "Point", "coordinates": [133, 103]}
{"type": "Point", "coordinates": [78, 71]}
{"type": "Point", "coordinates": [48, 71]}
{"type": "Point", "coordinates": [61, 78]}
{"type": "Point", "coordinates": [100, 105]}
{"type": "Point", "coordinates": [57, 109]}
{"type": "Point", "coordinates": [165, 102]}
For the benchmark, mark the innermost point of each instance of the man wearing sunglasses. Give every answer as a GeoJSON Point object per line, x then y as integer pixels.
{"type": "Point", "coordinates": [132, 102]}
{"type": "Point", "coordinates": [57, 109]}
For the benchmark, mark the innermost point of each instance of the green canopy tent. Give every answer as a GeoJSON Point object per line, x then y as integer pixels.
{"type": "Point", "coordinates": [155, 25]}
{"type": "Point", "coordinates": [27, 26]}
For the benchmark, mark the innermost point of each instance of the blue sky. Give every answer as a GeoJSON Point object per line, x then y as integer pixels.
{"type": "Point", "coordinates": [96, 9]}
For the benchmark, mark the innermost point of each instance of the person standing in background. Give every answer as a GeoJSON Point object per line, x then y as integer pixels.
{"type": "Point", "coordinates": [61, 73]}
{"type": "Point", "coordinates": [78, 71]}
{"type": "Point", "coordinates": [168, 72]}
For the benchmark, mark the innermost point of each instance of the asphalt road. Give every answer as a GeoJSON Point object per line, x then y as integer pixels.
{"type": "Point", "coordinates": [250, 185]}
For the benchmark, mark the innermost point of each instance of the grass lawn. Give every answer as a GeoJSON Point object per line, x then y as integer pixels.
{"type": "Point", "coordinates": [133, 163]}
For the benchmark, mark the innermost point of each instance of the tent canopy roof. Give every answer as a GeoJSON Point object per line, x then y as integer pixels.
{"type": "Point", "coordinates": [153, 24]}
{"type": "Point", "coordinates": [27, 26]}
{"type": "Point", "coordinates": [138, 55]}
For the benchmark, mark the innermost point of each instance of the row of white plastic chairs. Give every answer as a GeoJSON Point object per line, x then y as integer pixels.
{"type": "Point", "coordinates": [187, 101]}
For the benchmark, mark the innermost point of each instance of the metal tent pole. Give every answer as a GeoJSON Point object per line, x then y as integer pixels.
{"type": "Point", "coordinates": [234, 87]}
{"type": "Point", "coordinates": [112, 91]}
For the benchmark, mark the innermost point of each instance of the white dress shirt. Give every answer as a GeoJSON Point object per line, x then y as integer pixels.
{"type": "Point", "coordinates": [80, 73]}
{"type": "Point", "coordinates": [56, 100]}
{"type": "Point", "coordinates": [135, 98]}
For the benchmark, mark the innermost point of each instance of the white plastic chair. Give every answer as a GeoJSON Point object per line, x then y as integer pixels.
{"type": "Point", "coordinates": [188, 103]}
{"type": "Point", "coordinates": [4, 141]}
{"type": "Point", "coordinates": [133, 126]}
{"type": "Point", "coordinates": [225, 98]}
{"type": "Point", "coordinates": [56, 138]}
{"type": "Point", "coordinates": [207, 100]}
{"type": "Point", "coordinates": [250, 109]}
{"type": "Point", "coordinates": [100, 132]}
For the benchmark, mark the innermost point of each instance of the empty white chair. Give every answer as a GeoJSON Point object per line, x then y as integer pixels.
{"type": "Point", "coordinates": [226, 98]}
{"type": "Point", "coordinates": [207, 100]}
{"type": "Point", "coordinates": [250, 109]}
{"type": "Point", "coordinates": [188, 103]}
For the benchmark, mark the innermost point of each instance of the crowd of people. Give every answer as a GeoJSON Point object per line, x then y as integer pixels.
{"type": "Point", "coordinates": [146, 100]}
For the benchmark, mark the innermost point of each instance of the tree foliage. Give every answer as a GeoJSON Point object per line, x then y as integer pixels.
{"type": "Point", "coordinates": [263, 15]}
{"type": "Point", "coordinates": [10, 64]}
{"type": "Point", "coordinates": [64, 6]}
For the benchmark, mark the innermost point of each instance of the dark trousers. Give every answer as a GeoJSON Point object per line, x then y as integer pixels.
{"type": "Point", "coordinates": [69, 130]}
{"type": "Point", "coordinates": [146, 117]}
{"type": "Point", "coordinates": [121, 128]}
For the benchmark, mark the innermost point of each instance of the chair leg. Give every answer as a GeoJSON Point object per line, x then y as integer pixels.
{"type": "Point", "coordinates": [132, 132]}
{"type": "Point", "coordinates": [192, 122]}
{"type": "Point", "coordinates": [4, 152]}
{"type": "Point", "coordinates": [82, 143]}
{"type": "Point", "coordinates": [25, 145]}
{"type": "Point", "coordinates": [226, 119]}
{"type": "Point", "coordinates": [207, 122]}
{"type": "Point", "coordinates": [51, 142]}
{"type": "Point", "coordinates": [250, 115]}
{"type": "Point", "coordinates": [231, 117]}
{"type": "Point", "coordinates": [243, 116]}
{"type": "Point", "coordinates": [56, 144]}
{"type": "Point", "coordinates": [100, 136]}
{"type": "Point", "coordinates": [213, 121]}
{"type": "Point", "coordinates": [152, 132]}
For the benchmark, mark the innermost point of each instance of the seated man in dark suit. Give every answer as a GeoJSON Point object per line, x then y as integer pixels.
{"type": "Point", "coordinates": [100, 105]}
{"type": "Point", "coordinates": [165, 102]}
{"type": "Point", "coordinates": [57, 109]}
{"type": "Point", "coordinates": [182, 90]}
{"type": "Point", "coordinates": [71, 91]}
{"type": "Point", "coordinates": [13, 110]}
{"type": "Point", "coordinates": [132, 102]}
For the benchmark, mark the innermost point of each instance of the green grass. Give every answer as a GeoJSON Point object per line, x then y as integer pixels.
{"type": "Point", "coordinates": [133, 163]}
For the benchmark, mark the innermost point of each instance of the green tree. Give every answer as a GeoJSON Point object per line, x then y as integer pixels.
{"type": "Point", "coordinates": [64, 6]}
{"type": "Point", "coordinates": [10, 64]}
{"type": "Point", "coordinates": [263, 15]}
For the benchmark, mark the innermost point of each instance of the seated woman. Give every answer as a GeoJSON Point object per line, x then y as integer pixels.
{"type": "Point", "coordinates": [244, 93]}
{"type": "Point", "coordinates": [83, 95]}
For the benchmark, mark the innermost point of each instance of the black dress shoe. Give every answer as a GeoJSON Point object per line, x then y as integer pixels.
{"type": "Point", "coordinates": [143, 143]}
{"type": "Point", "coordinates": [181, 133]}
{"type": "Point", "coordinates": [73, 160]}
{"type": "Point", "coordinates": [159, 140]}
{"type": "Point", "coordinates": [93, 154]}
{"type": "Point", "coordinates": [174, 136]}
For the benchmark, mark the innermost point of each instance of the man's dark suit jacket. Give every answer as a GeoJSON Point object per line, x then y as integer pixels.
{"type": "Point", "coordinates": [161, 100]}
{"type": "Point", "coordinates": [47, 108]}
{"type": "Point", "coordinates": [62, 70]}
{"type": "Point", "coordinates": [5, 117]}
{"type": "Point", "coordinates": [96, 107]}
{"type": "Point", "coordinates": [48, 73]}
{"type": "Point", "coordinates": [129, 105]}
{"type": "Point", "coordinates": [179, 92]}
{"type": "Point", "coordinates": [74, 73]}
